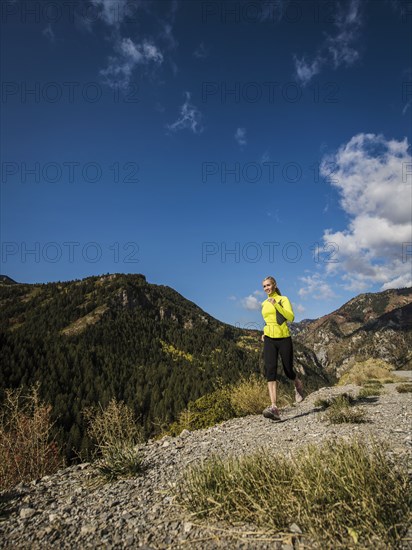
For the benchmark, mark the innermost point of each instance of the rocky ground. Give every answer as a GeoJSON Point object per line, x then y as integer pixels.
{"type": "Point", "coordinates": [66, 511]}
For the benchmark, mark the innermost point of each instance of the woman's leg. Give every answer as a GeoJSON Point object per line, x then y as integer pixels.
{"type": "Point", "coordinates": [272, 392]}
{"type": "Point", "coordinates": [286, 353]}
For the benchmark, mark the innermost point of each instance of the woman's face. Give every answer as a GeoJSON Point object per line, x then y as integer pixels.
{"type": "Point", "coordinates": [268, 286]}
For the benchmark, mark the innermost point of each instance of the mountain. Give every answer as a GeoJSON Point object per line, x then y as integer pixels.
{"type": "Point", "coordinates": [5, 280]}
{"type": "Point", "coordinates": [87, 341]}
{"type": "Point", "coordinates": [374, 325]}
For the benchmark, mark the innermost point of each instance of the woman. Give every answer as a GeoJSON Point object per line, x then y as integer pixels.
{"type": "Point", "coordinates": [276, 311]}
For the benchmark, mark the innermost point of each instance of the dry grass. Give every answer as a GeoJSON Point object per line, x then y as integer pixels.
{"type": "Point", "coordinates": [340, 409]}
{"type": "Point", "coordinates": [28, 448]}
{"type": "Point", "coordinates": [364, 371]}
{"type": "Point", "coordinates": [404, 388]}
{"type": "Point", "coordinates": [116, 434]}
{"type": "Point", "coordinates": [250, 395]}
{"type": "Point", "coordinates": [339, 494]}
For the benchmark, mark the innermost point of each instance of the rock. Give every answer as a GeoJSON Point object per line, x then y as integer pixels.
{"type": "Point", "coordinates": [26, 513]}
{"type": "Point", "coordinates": [295, 529]}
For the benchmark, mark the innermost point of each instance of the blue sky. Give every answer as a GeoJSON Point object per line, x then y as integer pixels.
{"type": "Point", "coordinates": [209, 144]}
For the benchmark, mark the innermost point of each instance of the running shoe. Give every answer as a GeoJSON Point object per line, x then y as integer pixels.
{"type": "Point", "coordinates": [272, 413]}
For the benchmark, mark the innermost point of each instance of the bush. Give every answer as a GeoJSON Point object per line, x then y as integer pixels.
{"type": "Point", "coordinates": [206, 411]}
{"type": "Point", "coordinates": [28, 448]}
{"type": "Point", "coordinates": [116, 434]}
{"type": "Point", "coordinates": [338, 494]}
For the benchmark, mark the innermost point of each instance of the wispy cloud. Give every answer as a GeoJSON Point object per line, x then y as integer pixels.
{"type": "Point", "coordinates": [201, 52]}
{"type": "Point", "coordinates": [49, 33]}
{"type": "Point", "coordinates": [338, 48]}
{"type": "Point", "coordinates": [190, 118]}
{"type": "Point", "coordinates": [240, 136]}
{"type": "Point", "coordinates": [128, 56]}
{"type": "Point", "coordinates": [114, 12]}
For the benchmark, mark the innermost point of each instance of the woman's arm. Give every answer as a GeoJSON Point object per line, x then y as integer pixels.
{"type": "Point", "coordinates": [285, 308]}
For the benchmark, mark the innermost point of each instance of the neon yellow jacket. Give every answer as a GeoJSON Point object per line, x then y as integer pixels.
{"type": "Point", "coordinates": [276, 316]}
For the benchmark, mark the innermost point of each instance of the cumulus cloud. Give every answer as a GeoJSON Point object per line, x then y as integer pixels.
{"type": "Point", "coordinates": [189, 118]}
{"type": "Point", "coordinates": [338, 48]}
{"type": "Point", "coordinates": [128, 56]}
{"type": "Point", "coordinates": [240, 136]}
{"type": "Point", "coordinates": [373, 176]}
{"type": "Point", "coordinates": [251, 303]}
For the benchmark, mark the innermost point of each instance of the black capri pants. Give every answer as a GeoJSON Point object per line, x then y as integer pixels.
{"type": "Point", "coordinates": [271, 348]}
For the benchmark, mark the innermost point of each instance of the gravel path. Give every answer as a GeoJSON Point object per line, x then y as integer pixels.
{"type": "Point", "coordinates": [65, 511]}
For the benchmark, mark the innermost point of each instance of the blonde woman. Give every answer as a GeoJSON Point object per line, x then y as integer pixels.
{"type": "Point", "coordinates": [277, 312]}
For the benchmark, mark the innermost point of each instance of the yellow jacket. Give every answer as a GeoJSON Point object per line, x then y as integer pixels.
{"type": "Point", "coordinates": [276, 316]}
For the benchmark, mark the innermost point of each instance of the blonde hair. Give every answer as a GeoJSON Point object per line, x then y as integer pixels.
{"type": "Point", "coordinates": [273, 281]}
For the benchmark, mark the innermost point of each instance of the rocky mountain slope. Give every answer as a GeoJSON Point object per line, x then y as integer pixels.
{"type": "Point", "coordinates": [66, 511]}
{"type": "Point", "coordinates": [377, 325]}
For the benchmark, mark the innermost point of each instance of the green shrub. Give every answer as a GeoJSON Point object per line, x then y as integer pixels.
{"type": "Point", "coordinates": [338, 494]}
{"type": "Point", "coordinates": [28, 447]}
{"type": "Point", "coordinates": [206, 411]}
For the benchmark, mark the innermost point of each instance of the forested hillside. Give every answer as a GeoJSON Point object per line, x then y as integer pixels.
{"type": "Point", "coordinates": [87, 341]}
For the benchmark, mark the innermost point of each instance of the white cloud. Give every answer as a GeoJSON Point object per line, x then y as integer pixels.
{"type": "Point", "coordinates": [337, 49]}
{"type": "Point", "coordinates": [240, 136]}
{"type": "Point", "coordinates": [232, 298]}
{"type": "Point", "coordinates": [251, 303]}
{"type": "Point", "coordinates": [316, 288]}
{"type": "Point", "coordinates": [374, 177]}
{"type": "Point", "coordinates": [129, 56]}
{"type": "Point", "coordinates": [300, 309]}
{"type": "Point", "coordinates": [189, 118]}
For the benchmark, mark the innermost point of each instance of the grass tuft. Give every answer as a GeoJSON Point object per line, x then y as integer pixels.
{"type": "Point", "coordinates": [404, 388]}
{"type": "Point", "coordinates": [341, 411]}
{"type": "Point", "coordinates": [334, 493]}
{"type": "Point", "coordinates": [369, 391]}
{"type": "Point", "coordinates": [116, 434]}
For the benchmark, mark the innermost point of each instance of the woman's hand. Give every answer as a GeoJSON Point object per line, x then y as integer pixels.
{"type": "Point", "coordinates": [272, 301]}
{"type": "Point", "coordinates": [263, 337]}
